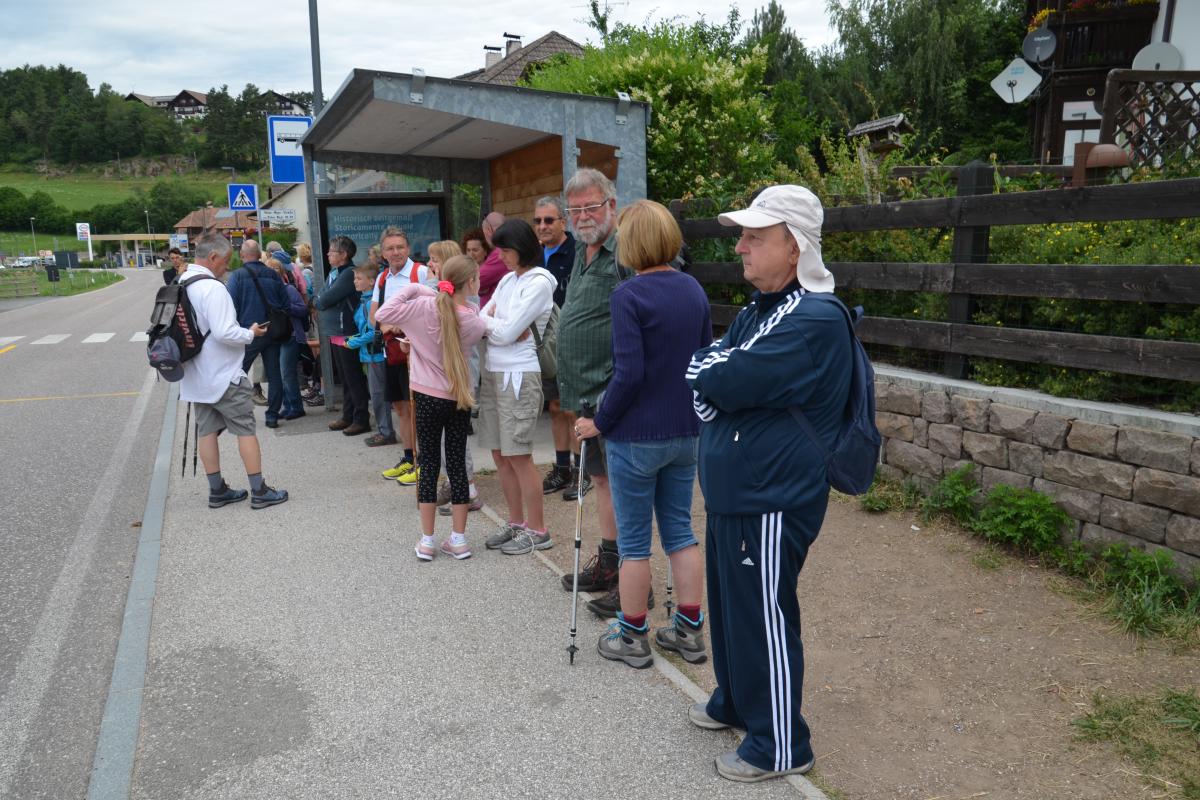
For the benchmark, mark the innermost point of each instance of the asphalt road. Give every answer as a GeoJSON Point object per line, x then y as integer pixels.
{"type": "Point", "coordinates": [80, 416]}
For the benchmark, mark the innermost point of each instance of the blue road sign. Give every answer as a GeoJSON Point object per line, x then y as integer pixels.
{"type": "Point", "coordinates": [242, 196]}
{"type": "Point", "coordinates": [283, 143]}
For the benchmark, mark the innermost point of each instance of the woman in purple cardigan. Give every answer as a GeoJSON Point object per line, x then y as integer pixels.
{"type": "Point", "coordinates": [659, 319]}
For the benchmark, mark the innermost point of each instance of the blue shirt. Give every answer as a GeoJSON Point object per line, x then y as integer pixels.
{"type": "Point", "coordinates": [246, 300]}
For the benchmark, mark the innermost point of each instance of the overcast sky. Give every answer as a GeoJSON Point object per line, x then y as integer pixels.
{"type": "Point", "coordinates": [159, 48]}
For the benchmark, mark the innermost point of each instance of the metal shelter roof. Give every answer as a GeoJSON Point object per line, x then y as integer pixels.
{"type": "Point", "coordinates": [442, 127]}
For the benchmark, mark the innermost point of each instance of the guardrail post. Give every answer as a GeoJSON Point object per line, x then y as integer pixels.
{"type": "Point", "coordinates": [970, 246]}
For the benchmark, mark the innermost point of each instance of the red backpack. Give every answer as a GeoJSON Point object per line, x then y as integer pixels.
{"type": "Point", "coordinates": [391, 344]}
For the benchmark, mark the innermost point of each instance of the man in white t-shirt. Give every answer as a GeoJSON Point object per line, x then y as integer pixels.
{"type": "Point", "coordinates": [214, 381]}
{"type": "Point", "coordinates": [393, 242]}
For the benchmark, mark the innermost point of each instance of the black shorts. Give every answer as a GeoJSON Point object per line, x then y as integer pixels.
{"type": "Point", "coordinates": [395, 386]}
{"type": "Point", "coordinates": [549, 392]}
{"type": "Point", "coordinates": [595, 463]}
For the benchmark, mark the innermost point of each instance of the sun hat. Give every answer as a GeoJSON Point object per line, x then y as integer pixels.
{"type": "Point", "coordinates": [801, 211]}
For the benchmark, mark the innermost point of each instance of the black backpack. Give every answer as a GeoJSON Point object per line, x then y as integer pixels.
{"type": "Point", "coordinates": [174, 335]}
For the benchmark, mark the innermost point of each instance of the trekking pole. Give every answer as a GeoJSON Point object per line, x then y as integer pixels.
{"type": "Point", "coordinates": [187, 422]}
{"type": "Point", "coordinates": [587, 413]}
{"type": "Point", "coordinates": [670, 604]}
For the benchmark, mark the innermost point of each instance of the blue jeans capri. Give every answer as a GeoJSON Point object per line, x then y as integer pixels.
{"type": "Point", "coordinates": [652, 480]}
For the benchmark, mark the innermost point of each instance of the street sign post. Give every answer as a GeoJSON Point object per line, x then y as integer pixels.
{"type": "Point", "coordinates": [283, 144]}
{"type": "Point", "coordinates": [277, 216]}
{"type": "Point", "coordinates": [83, 232]}
{"type": "Point", "coordinates": [244, 197]}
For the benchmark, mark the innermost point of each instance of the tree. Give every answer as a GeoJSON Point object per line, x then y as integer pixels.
{"type": "Point", "coordinates": [786, 56]}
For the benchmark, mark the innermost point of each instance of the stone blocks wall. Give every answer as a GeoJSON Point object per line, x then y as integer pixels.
{"type": "Point", "coordinates": [1123, 474]}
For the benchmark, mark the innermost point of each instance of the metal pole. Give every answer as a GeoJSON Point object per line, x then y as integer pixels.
{"type": "Point", "coordinates": [149, 235]}
{"type": "Point", "coordinates": [32, 231]}
{"type": "Point", "coordinates": [315, 44]}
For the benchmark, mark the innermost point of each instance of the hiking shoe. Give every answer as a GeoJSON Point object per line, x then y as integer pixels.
{"type": "Point", "coordinates": [684, 638]}
{"type": "Point", "coordinates": [459, 551]}
{"type": "Point", "coordinates": [316, 400]}
{"type": "Point", "coordinates": [268, 497]}
{"type": "Point", "coordinates": [526, 541]}
{"type": "Point", "coordinates": [355, 430]}
{"type": "Point", "coordinates": [226, 496]}
{"type": "Point", "coordinates": [402, 467]}
{"type": "Point", "coordinates": [476, 503]}
{"type": "Point", "coordinates": [376, 440]}
{"type": "Point", "coordinates": [443, 495]}
{"type": "Point", "coordinates": [410, 478]}
{"type": "Point", "coordinates": [339, 425]}
{"type": "Point", "coordinates": [623, 642]}
{"type": "Point", "coordinates": [502, 536]}
{"type": "Point", "coordinates": [257, 396]}
{"type": "Point", "coordinates": [572, 491]}
{"type": "Point", "coordinates": [607, 606]}
{"type": "Point", "coordinates": [557, 479]}
{"type": "Point", "coordinates": [732, 767]}
{"type": "Point", "coordinates": [425, 552]}
{"type": "Point", "coordinates": [599, 574]}
{"type": "Point", "coordinates": [698, 716]}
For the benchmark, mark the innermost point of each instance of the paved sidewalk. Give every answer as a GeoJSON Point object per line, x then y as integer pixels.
{"type": "Point", "coordinates": [303, 651]}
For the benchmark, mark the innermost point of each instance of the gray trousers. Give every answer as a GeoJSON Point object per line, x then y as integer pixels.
{"type": "Point", "coordinates": [380, 407]}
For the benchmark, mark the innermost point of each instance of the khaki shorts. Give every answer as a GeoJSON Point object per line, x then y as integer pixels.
{"type": "Point", "coordinates": [506, 422]}
{"type": "Point", "coordinates": [233, 412]}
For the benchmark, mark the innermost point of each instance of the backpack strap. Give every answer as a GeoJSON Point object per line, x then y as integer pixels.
{"type": "Point", "coordinates": [852, 320]}
{"type": "Point", "coordinates": [537, 337]}
{"type": "Point", "coordinates": [261, 296]}
{"type": "Point", "coordinates": [415, 275]}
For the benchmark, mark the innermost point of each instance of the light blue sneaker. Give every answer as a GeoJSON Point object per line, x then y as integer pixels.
{"type": "Point", "coordinates": [226, 496]}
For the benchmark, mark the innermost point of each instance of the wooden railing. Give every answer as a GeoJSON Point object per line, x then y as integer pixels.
{"type": "Point", "coordinates": [18, 283]}
{"type": "Point", "coordinates": [968, 275]}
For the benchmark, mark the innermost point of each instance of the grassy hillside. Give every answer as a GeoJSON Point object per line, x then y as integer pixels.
{"type": "Point", "coordinates": [85, 188]}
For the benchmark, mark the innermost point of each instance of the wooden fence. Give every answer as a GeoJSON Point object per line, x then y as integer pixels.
{"type": "Point", "coordinates": [18, 283]}
{"type": "Point", "coordinates": [971, 215]}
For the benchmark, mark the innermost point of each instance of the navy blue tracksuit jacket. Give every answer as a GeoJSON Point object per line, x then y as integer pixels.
{"type": "Point", "coordinates": [765, 491]}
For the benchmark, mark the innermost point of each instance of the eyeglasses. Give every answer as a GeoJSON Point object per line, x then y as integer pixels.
{"type": "Point", "coordinates": [546, 220]}
{"type": "Point", "coordinates": [575, 212]}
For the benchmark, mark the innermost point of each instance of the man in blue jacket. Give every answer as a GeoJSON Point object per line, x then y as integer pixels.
{"type": "Point", "coordinates": [249, 286]}
{"type": "Point", "coordinates": [765, 487]}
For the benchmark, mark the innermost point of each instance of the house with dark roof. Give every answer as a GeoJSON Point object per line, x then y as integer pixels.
{"type": "Point", "coordinates": [153, 101]}
{"type": "Point", "coordinates": [519, 61]}
{"type": "Point", "coordinates": [188, 105]}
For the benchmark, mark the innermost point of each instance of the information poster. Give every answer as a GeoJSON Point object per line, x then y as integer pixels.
{"type": "Point", "coordinates": [420, 220]}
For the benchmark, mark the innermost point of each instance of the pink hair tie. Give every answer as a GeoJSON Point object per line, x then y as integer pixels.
{"type": "Point", "coordinates": [446, 286]}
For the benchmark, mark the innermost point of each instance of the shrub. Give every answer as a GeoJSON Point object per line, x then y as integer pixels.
{"type": "Point", "coordinates": [1023, 518]}
{"type": "Point", "coordinates": [953, 497]}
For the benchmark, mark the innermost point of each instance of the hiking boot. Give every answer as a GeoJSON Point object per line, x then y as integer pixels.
{"type": "Point", "coordinates": [356, 429]}
{"type": "Point", "coordinates": [572, 491]}
{"type": "Point", "coordinates": [316, 400]}
{"type": "Point", "coordinates": [599, 574]}
{"type": "Point", "coordinates": [459, 551]}
{"type": "Point", "coordinates": [257, 396]}
{"type": "Point", "coordinates": [623, 642]}
{"type": "Point", "coordinates": [339, 425]}
{"type": "Point", "coordinates": [377, 440]}
{"type": "Point", "coordinates": [403, 467]}
{"type": "Point", "coordinates": [557, 479]}
{"type": "Point", "coordinates": [443, 494]}
{"type": "Point", "coordinates": [226, 496]}
{"type": "Point", "coordinates": [425, 552]}
{"type": "Point", "coordinates": [526, 541]}
{"type": "Point", "coordinates": [410, 478]}
{"type": "Point", "coordinates": [607, 606]}
{"type": "Point", "coordinates": [684, 638]}
{"type": "Point", "coordinates": [476, 503]}
{"type": "Point", "coordinates": [732, 767]}
{"type": "Point", "coordinates": [268, 497]}
{"type": "Point", "coordinates": [502, 536]}
{"type": "Point", "coordinates": [698, 716]}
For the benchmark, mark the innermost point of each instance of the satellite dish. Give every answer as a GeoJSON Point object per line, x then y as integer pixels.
{"type": "Point", "coordinates": [1039, 45]}
{"type": "Point", "coordinates": [1159, 55]}
{"type": "Point", "coordinates": [1018, 80]}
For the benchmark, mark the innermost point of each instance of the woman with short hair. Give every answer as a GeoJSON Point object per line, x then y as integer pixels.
{"type": "Point", "coordinates": [659, 319]}
{"type": "Point", "coordinates": [510, 394]}
{"type": "Point", "coordinates": [289, 351]}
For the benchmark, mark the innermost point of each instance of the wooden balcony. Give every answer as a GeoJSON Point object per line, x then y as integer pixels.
{"type": "Point", "coordinates": [1101, 39]}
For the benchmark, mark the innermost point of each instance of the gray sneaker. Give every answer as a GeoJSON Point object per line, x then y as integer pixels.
{"type": "Point", "coordinates": [731, 767]}
{"type": "Point", "coordinates": [526, 541]}
{"type": "Point", "coordinates": [628, 644]}
{"type": "Point", "coordinates": [698, 716]}
{"type": "Point", "coordinates": [684, 638]}
{"type": "Point", "coordinates": [502, 536]}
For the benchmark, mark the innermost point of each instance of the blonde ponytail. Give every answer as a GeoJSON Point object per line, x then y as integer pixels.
{"type": "Point", "coordinates": [459, 271]}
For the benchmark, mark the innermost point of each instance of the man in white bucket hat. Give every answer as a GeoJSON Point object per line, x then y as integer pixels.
{"type": "Point", "coordinates": [764, 484]}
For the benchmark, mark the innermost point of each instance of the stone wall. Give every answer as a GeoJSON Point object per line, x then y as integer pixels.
{"type": "Point", "coordinates": [1123, 474]}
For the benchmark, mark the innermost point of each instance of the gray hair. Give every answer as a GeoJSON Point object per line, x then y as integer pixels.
{"type": "Point", "coordinates": [212, 244]}
{"type": "Point", "coordinates": [588, 178]}
{"type": "Point", "coordinates": [250, 251]}
{"type": "Point", "coordinates": [557, 202]}
{"type": "Point", "coordinates": [273, 246]}
{"type": "Point", "coordinates": [390, 231]}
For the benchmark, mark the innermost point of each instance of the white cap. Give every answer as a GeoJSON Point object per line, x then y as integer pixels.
{"type": "Point", "coordinates": [801, 211]}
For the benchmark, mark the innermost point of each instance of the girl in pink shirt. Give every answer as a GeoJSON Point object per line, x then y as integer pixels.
{"type": "Point", "coordinates": [441, 327]}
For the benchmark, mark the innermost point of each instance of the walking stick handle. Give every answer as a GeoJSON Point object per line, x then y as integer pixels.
{"type": "Point", "coordinates": [587, 410]}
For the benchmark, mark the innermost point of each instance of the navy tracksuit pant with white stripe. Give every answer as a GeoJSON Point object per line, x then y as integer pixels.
{"type": "Point", "coordinates": [753, 564]}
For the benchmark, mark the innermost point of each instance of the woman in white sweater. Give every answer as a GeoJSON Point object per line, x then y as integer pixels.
{"type": "Point", "coordinates": [510, 393]}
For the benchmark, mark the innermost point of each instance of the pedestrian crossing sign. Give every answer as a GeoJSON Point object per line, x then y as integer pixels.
{"type": "Point", "coordinates": [243, 196]}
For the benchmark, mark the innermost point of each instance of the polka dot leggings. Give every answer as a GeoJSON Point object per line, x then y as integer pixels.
{"type": "Point", "coordinates": [435, 415]}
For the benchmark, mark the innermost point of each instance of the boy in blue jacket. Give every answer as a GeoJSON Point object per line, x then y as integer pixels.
{"type": "Point", "coordinates": [370, 353]}
{"type": "Point", "coordinates": [765, 487]}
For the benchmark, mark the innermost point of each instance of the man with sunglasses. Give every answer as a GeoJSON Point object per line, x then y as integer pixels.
{"type": "Point", "coordinates": [585, 359]}
{"type": "Point", "coordinates": [558, 257]}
